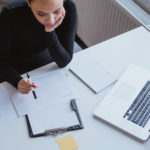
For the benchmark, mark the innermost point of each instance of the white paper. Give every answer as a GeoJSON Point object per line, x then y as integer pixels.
{"type": "Point", "coordinates": [7, 112]}
{"type": "Point", "coordinates": [92, 73]}
{"type": "Point", "coordinates": [51, 88]}
{"type": "Point", "coordinates": [57, 116]}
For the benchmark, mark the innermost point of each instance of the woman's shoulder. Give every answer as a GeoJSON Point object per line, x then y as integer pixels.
{"type": "Point", "coordinates": [14, 7]}
{"type": "Point", "coordinates": [69, 5]}
{"type": "Point", "coordinates": [16, 4]}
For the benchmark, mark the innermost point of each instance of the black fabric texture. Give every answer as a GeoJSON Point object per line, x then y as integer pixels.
{"type": "Point", "coordinates": [24, 44]}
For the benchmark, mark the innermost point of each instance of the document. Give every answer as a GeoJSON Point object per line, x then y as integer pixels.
{"type": "Point", "coordinates": [52, 87]}
{"type": "Point", "coordinates": [93, 73]}
{"type": "Point", "coordinates": [58, 116]}
{"type": "Point", "coordinates": [7, 112]}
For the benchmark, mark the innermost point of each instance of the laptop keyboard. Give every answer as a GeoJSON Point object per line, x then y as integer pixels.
{"type": "Point", "coordinates": [139, 111]}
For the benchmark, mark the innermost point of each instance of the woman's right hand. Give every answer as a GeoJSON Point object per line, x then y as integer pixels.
{"type": "Point", "coordinates": [24, 86]}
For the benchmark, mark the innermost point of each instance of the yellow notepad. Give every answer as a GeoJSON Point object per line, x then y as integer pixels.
{"type": "Point", "coordinates": [67, 143]}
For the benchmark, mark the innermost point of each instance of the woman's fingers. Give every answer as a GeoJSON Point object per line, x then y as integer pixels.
{"type": "Point", "coordinates": [24, 86]}
{"type": "Point", "coordinates": [63, 12]}
{"type": "Point", "coordinates": [59, 21]}
{"type": "Point", "coordinates": [24, 92]}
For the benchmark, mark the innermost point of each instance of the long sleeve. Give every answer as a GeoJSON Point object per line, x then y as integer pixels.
{"type": "Point", "coordinates": [61, 40]}
{"type": "Point", "coordinates": [23, 41]}
{"type": "Point", "coordinates": [6, 39]}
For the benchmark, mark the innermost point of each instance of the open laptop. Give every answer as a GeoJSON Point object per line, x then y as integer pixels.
{"type": "Point", "coordinates": [127, 105]}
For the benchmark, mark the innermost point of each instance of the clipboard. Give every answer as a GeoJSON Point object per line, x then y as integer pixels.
{"type": "Point", "coordinates": [61, 129]}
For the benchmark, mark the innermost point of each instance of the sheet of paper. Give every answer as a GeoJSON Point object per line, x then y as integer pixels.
{"type": "Point", "coordinates": [57, 116]}
{"type": "Point", "coordinates": [51, 88]}
{"type": "Point", "coordinates": [67, 143]}
{"type": "Point", "coordinates": [93, 73]}
{"type": "Point", "coordinates": [7, 112]}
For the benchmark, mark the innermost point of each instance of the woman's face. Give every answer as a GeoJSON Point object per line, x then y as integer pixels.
{"type": "Point", "coordinates": [47, 12]}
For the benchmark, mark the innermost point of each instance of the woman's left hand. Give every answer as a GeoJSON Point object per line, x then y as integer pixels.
{"type": "Point", "coordinates": [59, 21]}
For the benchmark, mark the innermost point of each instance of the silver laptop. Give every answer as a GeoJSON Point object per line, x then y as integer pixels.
{"type": "Point", "coordinates": [127, 105]}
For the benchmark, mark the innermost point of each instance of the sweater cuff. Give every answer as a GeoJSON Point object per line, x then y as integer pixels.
{"type": "Point", "coordinates": [16, 81]}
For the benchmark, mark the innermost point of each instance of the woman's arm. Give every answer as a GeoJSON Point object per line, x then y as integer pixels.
{"type": "Point", "coordinates": [7, 73]}
{"type": "Point", "coordinates": [62, 39]}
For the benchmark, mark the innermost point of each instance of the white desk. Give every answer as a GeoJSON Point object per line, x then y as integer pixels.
{"type": "Point", "coordinates": [116, 53]}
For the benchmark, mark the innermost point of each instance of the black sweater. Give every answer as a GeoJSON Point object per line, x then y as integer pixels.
{"type": "Point", "coordinates": [24, 44]}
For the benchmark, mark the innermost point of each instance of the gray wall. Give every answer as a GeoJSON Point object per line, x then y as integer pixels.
{"type": "Point", "coordinates": [99, 20]}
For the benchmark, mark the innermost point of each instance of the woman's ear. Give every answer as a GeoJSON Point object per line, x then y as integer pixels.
{"type": "Point", "coordinates": [28, 3]}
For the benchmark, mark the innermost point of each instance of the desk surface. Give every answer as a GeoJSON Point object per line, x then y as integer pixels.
{"type": "Point", "coordinates": [116, 53]}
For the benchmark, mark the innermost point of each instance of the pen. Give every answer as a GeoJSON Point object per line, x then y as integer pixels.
{"type": "Point", "coordinates": [33, 92]}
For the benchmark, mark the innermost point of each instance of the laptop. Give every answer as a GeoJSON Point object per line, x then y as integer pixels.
{"type": "Point", "coordinates": [127, 105]}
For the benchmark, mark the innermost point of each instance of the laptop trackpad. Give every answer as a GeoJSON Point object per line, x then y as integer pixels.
{"type": "Point", "coordinates": [124, 92]}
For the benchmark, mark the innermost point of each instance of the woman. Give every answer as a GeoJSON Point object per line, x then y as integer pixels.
{"type": "Point", "coordinates": [34, 33]}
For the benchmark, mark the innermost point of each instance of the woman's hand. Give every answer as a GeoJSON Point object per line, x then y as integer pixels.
{"type": "Point", "coordinates": [60, 19]}
{"type": "Point", "coordinates": [24, 86]}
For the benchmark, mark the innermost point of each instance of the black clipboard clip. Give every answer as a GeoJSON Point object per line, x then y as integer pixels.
{"type": "Point", "coordinates": [57, 131]}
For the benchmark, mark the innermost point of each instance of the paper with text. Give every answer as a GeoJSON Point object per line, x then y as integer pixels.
{"type": "Point", "coordinates": [58, 116]}
{"type": "Point", "coordinates": [7, 112]}
{"type": "Point", "coordinates": [52, 87]}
